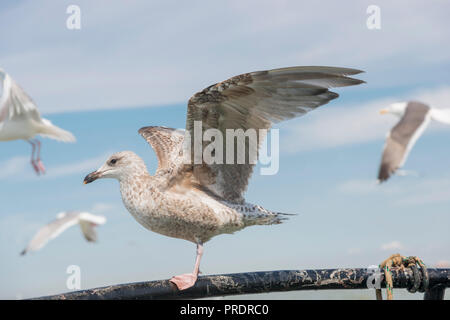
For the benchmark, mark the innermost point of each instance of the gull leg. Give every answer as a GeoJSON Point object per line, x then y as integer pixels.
{"type": "Point", "coordinates": [32, 160]}
{"type": "Point", "coordinates": [187, 280]}
{"type": "Point", "coordinates": [38, 159]}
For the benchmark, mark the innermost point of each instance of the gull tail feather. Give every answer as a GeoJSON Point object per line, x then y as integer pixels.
{"type": "Point", "coordinates": [265, 217]}
{"type": "Point", "coordinates": [281, 216]}
{"type": "Point", "coordinates": [51, 131]}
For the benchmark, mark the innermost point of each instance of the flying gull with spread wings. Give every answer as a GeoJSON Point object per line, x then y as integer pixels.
{"type": "Point", "coordinates": [414, 119]}
{"type": "Point", "coordinates": [197, 200]}
{"type": "Point", "coordinates": [65, 220]}
{"type": "Point", "coordinates": [20, 119]}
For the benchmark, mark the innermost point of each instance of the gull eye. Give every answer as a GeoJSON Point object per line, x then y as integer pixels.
{"type": "Point", "coordinates": [113, 161]}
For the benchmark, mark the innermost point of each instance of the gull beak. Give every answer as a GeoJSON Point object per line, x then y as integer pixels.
{"type": "Point", "coordinates": [91, 177]}
{"type": "Point", "coordinates": [384, 111]}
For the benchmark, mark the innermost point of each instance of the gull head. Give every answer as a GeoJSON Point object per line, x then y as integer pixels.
{"type": "Point", "coordinates": [118, 166]}
{"type": "Point", "coordinates": [397, 109]}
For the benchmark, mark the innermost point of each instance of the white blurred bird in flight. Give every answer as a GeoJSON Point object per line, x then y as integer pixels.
{"type": "Point", "coordinates": [414, 119]}
{"type": "Point", "coordinates": [65, 220]}
{"type": "Point", "coordinates": [20, 119]}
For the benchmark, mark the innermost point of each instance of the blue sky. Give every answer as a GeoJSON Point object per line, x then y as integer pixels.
{"type": "Point", "coordinates": [137, 64]}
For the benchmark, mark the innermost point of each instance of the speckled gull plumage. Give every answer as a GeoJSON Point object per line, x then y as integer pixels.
{"type": "Point", "coordinates": [197, 201]}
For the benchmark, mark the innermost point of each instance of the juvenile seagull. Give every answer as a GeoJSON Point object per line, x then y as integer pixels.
{"type": "Point", "coordinates": [65, 220]}
{"type": "Point", "coordinates": [415, 117]}
{"type": "Point", "coordinates": [198, 201]}
{"type": "Point", "coordinates": [20, 119]}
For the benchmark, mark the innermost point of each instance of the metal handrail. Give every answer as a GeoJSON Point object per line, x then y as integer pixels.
{"type": "Point", "coordinates": [261, 282]}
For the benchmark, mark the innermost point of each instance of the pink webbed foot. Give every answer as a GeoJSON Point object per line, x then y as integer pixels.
{"type": "Point", "coordinates": [41, 166]}
{"type": "Point", "coordinates": [36, 162]}
{"type": "Point", "coordinates": [184, 281]}
{"type": "Point", "coordinates": [35, 167]}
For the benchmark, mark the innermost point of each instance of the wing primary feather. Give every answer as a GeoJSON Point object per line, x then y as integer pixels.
{"type": "Point", "coordinates": [257, 100]}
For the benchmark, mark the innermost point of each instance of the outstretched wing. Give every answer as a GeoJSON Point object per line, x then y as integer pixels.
{"type": "Point", "coordinates": [88, 223]}
{"type": "Point", "coordinates": [402, 137]}
{"type": "Point", "coordinates": [167, 143]}
{"type": "Point", "coordinates": [64, 221]}
{"type": "Point", "coordinates": [393, 155]}
{"type": "Point", "coordinates": [440, 115]}
{"type": "Point", "coordinates": [51, 231]}
{"type": "Point", "coordinates": [256, 100]}
{"type": "Point", "coordinates": [15, 103]}
{"type": "Point", "coordinates": [88, 229]}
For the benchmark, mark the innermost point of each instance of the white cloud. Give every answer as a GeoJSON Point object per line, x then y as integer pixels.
{"type": "Point", "coordinates": [16, 229]}
{"type": "Point", "coordinates": [79, 167]}
{"type": "Point", "coordinates": [402, 193]}
{"type": "Point", "coordinates": [150, 53]}
{"type": "Point", "coordinates": [13, 166]}
{"type": "Point", "coordinates": [426, 192]}
{"type": "Point", "coordinates": [393, 245]}
{"type": "Point", "coordinates": [354, 251]}
{"type": "Point", "coordinates": [341, 126]}
{"type": "Point", "coordinates": [19, 168]}
{"type": "Point", "coordinates": [102, 207]}
{"type": "Point", "coordinates": [365, 187]}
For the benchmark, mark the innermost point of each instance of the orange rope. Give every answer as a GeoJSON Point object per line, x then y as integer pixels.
{"type": "Point", "coordinates": [397, 260]}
